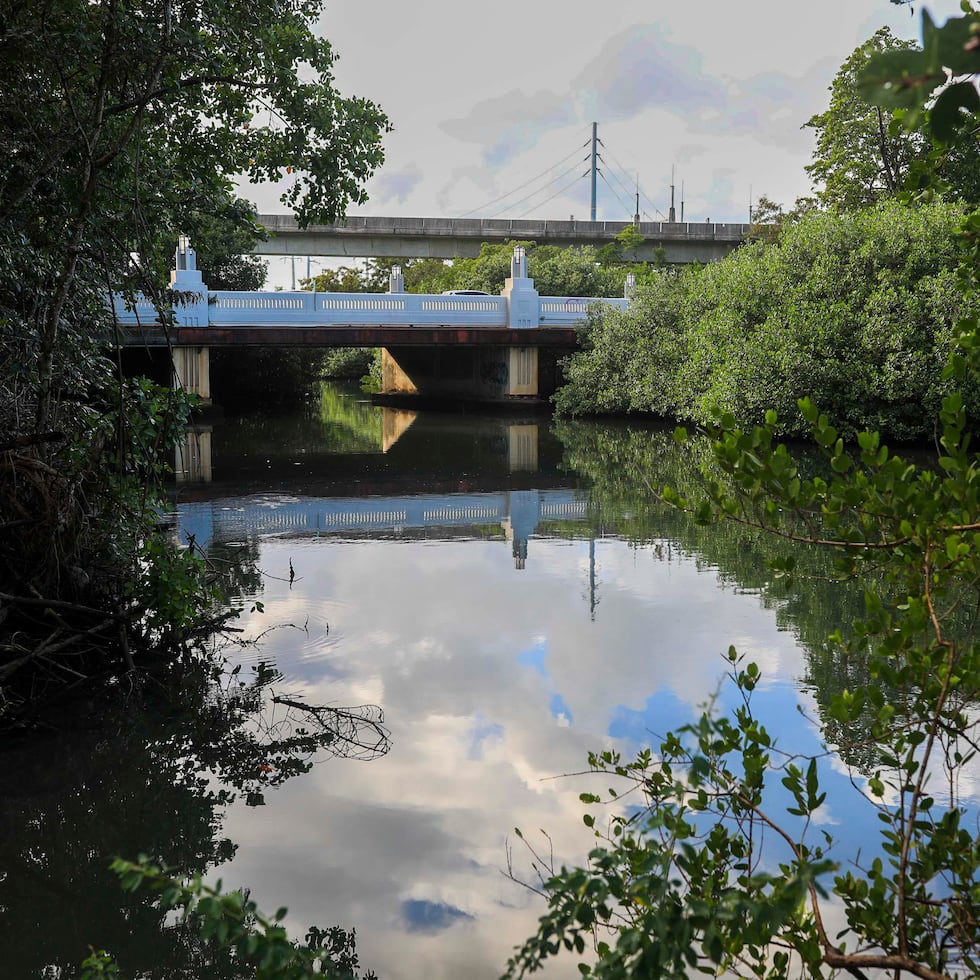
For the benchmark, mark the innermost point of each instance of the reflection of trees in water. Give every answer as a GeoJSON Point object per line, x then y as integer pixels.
{"type": "Point", "coordinates": [333, 422]}
{"type": "Point", "coordinates": [628, 466]}
{"type": "Point", "coordinates": [151, 775]}
{"type": "Point", "coordinates": [354, 424]}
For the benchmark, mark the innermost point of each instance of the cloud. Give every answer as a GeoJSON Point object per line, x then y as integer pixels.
{"type": "Point", "coordinates": [641, 68]}
{"type": "Point", "coordinates": [639, 71]}
{"type": "Point", "coordinates": [511, 123]}
{"type": "Point", "coordinates": [773, 107]}
{"type": "Point", "coordinates": [396, 186]}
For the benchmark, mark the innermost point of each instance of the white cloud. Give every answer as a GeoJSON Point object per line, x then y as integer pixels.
{"type": "Point", "coordinates": [396, 186]}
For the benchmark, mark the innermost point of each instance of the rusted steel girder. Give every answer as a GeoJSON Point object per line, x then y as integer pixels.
{"type": "Point", "coordinates": [360, 336]}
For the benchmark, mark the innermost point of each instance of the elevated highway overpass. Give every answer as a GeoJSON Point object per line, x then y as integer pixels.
{"type": "Point", "coordinates": [449, 238]}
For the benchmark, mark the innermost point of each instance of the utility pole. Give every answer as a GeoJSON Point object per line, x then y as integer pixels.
{"type": "Point", "coordinates": [682, 202]}
{"type": "Point", "coordinates": [636, 217]}
{"type": "Point", "coordinates": [672, 214]}
{"type": "Point", "coordinates": [595, 127]}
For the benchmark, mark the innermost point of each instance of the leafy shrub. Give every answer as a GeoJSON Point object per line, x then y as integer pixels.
{"type": "Point", "coordinates": [855, 309]}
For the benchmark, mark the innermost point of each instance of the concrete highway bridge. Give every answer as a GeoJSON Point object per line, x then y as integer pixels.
{"type": "Point", "coordinates": [448, 238]}
{"type": "Point", "coordinates": [463, 346]}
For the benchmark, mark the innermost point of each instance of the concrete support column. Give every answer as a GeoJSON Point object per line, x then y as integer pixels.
{"type": "Point", "coordinates": [192, 370]}
{"type": "Point", "coordinates": [192, 365]}
{"type": "Point", "coordinates": [522, 376]}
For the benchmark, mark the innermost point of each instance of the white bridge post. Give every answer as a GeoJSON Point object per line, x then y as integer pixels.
{"type": "Point", "coordinates": [523, 312]}
{"type": "Point", "coordinates": [192, 365]}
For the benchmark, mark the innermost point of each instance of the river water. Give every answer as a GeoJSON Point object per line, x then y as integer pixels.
{"type": "Point", "coordinates": [442, 615]}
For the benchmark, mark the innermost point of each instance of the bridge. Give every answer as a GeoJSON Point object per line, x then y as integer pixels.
{"type": "Point", "coordinates": [517, 512]}
{"type": "Point", "coordinates": [461, 345]}
{"type": "Point", "coordinates": [448, 238]}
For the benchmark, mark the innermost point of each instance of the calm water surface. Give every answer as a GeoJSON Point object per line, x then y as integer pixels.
{"type": "Point", "coordinates": [508, 596]}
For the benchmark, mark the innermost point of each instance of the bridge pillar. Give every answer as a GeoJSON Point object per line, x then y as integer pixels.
{"type": "Point", "coordinates": [522, 376]}
{"type": "Point", "coordinates": [192, 370]}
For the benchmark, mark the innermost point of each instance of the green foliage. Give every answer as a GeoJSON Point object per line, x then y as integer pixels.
{"type": "Point", "coordinates": [623, 249]}
{"type": "Point", "coordinates": [681, 886]}
{"type": "Point", "coordinates": [372, 381]}
{"type": "Point", "coordinates": [858, 309]}
{"type": "Point", "coordinates": [686, 883]}
{"type": "Point", "coordinates": [169, 591]}
{"type": "Point", "coordinates": [223, 239]}
{"type": "Point", "coordinates": [346, 362]}
{"type": "Point", "coordinates": [99, 964]}
{"type": "Point", "coordinates": [371, 278]}
{"type": "Point", "coordinates": [556, 271]}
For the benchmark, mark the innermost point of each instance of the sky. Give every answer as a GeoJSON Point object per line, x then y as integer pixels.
{"type": "Point", "coordinates": [484, 99]}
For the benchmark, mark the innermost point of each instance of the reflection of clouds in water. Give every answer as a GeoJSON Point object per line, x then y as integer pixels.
{"type": "Point", "coordinates": [479, 669]}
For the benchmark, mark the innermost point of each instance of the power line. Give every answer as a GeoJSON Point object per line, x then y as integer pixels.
{"type": "Point", "coordinates": [602, 174]}
{"type": "Point", "coordinates": [663, 217]}
{"type": "Point", "coordinates": [628, 191]}
{"type": "Point", "coordinates": [528, 197]}
{"type": "Point", "coordinates": [520, 187]}
{"type": "Point", "coordinates": [556, 194]}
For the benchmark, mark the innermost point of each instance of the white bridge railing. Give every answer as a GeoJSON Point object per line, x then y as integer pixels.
{"type": "Point", "coordinates": [519, 306]}
{"type": "Point", "coordinates": [321, 309]}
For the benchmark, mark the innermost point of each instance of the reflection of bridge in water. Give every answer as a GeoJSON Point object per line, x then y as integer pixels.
{"type": "Point", "coordinates": [517, 512]}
